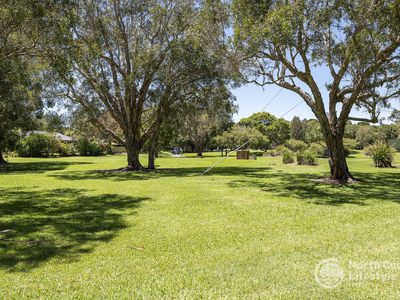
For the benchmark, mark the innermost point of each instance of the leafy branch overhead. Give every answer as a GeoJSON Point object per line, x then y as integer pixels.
{"type": "Point", "coordinates": [288, 43]}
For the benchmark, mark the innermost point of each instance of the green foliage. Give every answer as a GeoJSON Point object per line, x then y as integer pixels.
{"type": "Point", "coordinates": [288, 156]}
{"type": "Point", "coordinates": [351, 130]}
{"type": "Point", "coordinates": [395, 143]}
{"type": "Point", "coordinates": [382, 154]}
{"type": "Point", "coordinates": [296, 145]}
{"type": "Point", "coordinates": [364, 135]}
{"type": "Point", "coordinates": [298, 129]}
{"type": "Point", "coordinates": [318, 149]}
{"type": "Point", "coordinates": [257, 152]}
{"type": "Point", "coordinates": [272, 153]}
{"type": "Point", "coordinates": [368, 150]}
{"type": "Point", "coordinates": [290, 41]}
{"type": "Point", "coordinates": [260, 121]}
{"type": "Point", "coordinates": [279, 132]}
{"type": "Point", "coordinates": [37, 145]}
{"type": "Point", "coordinates": [238, 135]}
{"type": "Point", "coordinates": [313, 132]}
{"type": "Point", "coordinates": [350, 145]}
{"type": "Point", "coordinates": [86, 147]}
{"type": "Point", "coordinates": [280, 149]}
{"type": "Point", "coordinates": [276, 130]}
{"type": "Point", "coordinates": [66, 149]}
{"type": "Point", "coordinates": [306, 157]}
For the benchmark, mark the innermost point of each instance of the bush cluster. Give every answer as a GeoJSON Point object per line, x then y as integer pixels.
{"type": "Point", "coordinates": [288, 156]}
{"type": "Point", "coordinates": [89, 148]}
{"type": "Point", "coordinates": [36, 145]}
{"type": "Point", "coordinates": [257, 152]}
{"type": "Point", "coordinates": [306, 157]}
{"type": "Point", "coordinates": [382, 154]}
{"type": "Point", "coordinates": [296, 145]}
{"type": "Point", "coordinates": [318, 149]}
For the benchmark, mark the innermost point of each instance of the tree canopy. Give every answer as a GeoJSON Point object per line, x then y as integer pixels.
{"type": "Point", "coordinates": [135, 59]}
{"type": "Point", "coordinates": [286, 43]}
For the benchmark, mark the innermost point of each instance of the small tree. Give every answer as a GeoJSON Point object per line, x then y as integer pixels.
{"type": "Point", "coordinates": [297, 129]}
{"type": "Point", "coordinates": [239, 135]}
{"type": "Point", "coordinates": [276, 130]}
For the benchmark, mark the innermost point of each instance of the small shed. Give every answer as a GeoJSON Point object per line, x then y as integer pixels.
{"type": "Point", "coordinates": [242, 154]}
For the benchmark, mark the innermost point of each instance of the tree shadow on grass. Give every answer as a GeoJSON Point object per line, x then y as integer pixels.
{"type": "Point", "coordinates": [158, 173]}
{"type": "Point", "coordinates": [36, 166]}
{"type": "Point", "coordinates": [36, 226]}
{"type": "Point", "coordinates": [380, 186]}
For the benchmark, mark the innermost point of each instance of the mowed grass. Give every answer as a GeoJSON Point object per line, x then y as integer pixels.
{"type": "Point", "coordinates": [247, 230]}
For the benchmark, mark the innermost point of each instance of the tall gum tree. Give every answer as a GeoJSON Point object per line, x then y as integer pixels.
{"type": "Point", "coordinates": [288, 43]}
{"type": "Point", "coordinates": [133, 59]}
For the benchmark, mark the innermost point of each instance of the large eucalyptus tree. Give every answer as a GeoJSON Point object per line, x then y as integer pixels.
{"type": "Point", "coordinates": [134, 59]}
{"type": "Point", "coordinates": [290, 42]}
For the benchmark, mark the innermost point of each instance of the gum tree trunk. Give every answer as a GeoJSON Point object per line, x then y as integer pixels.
{"type": "Point", "coordinates": [133, 152]}
{"type": "Point", "coordinates": [2, 160]}
{"type": "Point", "coordinates": [337, 162]}
{"type": "Point", "coordinates": [199, 149]}
{"type": "Point", "coordinates": [153, 153]}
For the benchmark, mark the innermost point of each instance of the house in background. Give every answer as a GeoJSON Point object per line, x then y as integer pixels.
{"type": "Point", "coordinates": [59, 136]}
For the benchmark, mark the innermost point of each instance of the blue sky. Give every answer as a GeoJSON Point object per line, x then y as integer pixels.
{"type": "Point", "coordinates": [252, 98]}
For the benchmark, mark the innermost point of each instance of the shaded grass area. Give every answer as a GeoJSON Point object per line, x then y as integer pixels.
{"type": "Point", "coordinates": [246, 230]}
{"type": "Point", "coordinates": [372, 186]}
{"type": "Point", "coordinates": [38, 225]}
{"type": "Point", "coordinates": [39, 166]}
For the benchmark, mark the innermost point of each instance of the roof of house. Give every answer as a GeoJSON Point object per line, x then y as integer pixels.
{"type": "Point", "coordinates": [57, 135]}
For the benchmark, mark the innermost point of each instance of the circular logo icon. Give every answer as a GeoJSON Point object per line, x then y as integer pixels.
{"type": "Point", "coordinates": [328, 273]}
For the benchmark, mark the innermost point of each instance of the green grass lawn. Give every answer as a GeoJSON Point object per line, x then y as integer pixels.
{"type": "Point", "coordinates": [247, 230]}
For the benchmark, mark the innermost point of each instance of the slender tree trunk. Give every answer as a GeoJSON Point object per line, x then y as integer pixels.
{"type": "Point", "coordinates": [152, 158]}
{"type": "Point", "coordinates": [153, 149]}
{"type": "Point", "coordinates": [199, 151]}
{"type": "Point", "coordinates": [153, 153]}
{"type": "Point", "coordinates": [2, 160]}
{"type": "Point", "coordinates": [337, 161]}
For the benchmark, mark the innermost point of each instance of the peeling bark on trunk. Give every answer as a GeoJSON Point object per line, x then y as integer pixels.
{"type": "Point", "coordinates": [133, 153]}
{"type": "Point", "coordinates": [337, 162]}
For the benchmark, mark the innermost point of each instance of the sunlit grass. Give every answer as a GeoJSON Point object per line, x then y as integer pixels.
{"type": "Point", "coordinates": [248, 229]}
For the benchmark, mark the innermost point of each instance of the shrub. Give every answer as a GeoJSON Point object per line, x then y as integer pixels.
{"type": "Point", "coordinates": [66, 149]}
{"type": "Point", "coordinates": [272, 153]}
{"type": "Point", "coordinates": [395, 143]}
{"type": "Point", "coordinates": [89, 148]}
{"type": "Point", "coordinates": [318, 149]}
{"type": "Point", "coordinates": [383, 155]}
{"type": "Point", "coordinates": [257, 152]}
{"type": "Point", "coordinates": [36, 145]}
{"type": "Point", "coordinates": [350, 144]}
{"type": "Point", "coordinates": [288, 157]}
{"type": "Point", "coordinates": [280, 149]}
{"type": "Point", "coordinates": [306, 157]}
{"type": "Point", "coordinates": [368, 150]}
{"type": "Point", "coordinates": [296, 145]}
